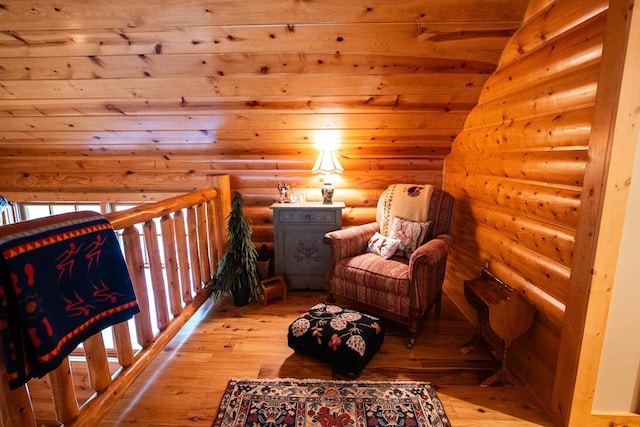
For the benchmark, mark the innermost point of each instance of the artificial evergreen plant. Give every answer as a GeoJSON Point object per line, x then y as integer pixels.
{"type": "Point", "coordinates": [237, 270]}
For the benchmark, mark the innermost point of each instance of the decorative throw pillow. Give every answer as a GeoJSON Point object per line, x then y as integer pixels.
{"type": "Point", "coordinates": [383, 246]}
{"type": "Point", "coordinates": [410, 233]}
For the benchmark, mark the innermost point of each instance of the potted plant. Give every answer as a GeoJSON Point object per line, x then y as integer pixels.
{"type": "Point", "coordinates": [237, 271]}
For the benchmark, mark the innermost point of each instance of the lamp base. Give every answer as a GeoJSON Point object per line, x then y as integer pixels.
{"type": "Point", "coordinates": [327, 193]}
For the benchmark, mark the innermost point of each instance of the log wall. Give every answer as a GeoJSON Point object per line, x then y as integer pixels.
{"type": "Point", "coordinates": [118, 99]}
{"type": "Point", "coordinates": [517, 170]}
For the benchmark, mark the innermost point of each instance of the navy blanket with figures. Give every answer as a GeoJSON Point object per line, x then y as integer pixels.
{"type": "Point", "coordinates": [62, 279]}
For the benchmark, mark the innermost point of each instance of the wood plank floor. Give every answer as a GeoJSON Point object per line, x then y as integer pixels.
{"type": "Point", "coordinates": [184, 384]}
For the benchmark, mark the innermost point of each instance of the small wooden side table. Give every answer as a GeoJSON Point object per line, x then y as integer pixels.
{"type": "Point", "coordinates": [503, 316]}
{"type": "Point", "coordinates": [272, 288]}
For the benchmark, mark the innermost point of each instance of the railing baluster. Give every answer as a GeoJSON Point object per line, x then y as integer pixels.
{"type": "Point", "coordinates": [183, 256]}
{"type": "Point", "coordinates": [64, 395]}
{"type": "Point", "coordinates": [97, 363]}
{"type": "Point", "coordinates": [214, 243]}
{"type": "Point", "coordinates": [171, 264]}
{"type": "Point", "coordinates": [15, 406]}
{"type": "Point", "coordinates": [157, 277]}
{"type": "Point", "coordinates": [194, 253]}
{"type": "Point", "coordinates": [133, 255]}
{"type": "Point", "coordinates": [122, 342]}
{"type": "Point", "coordinates": [203, 243]}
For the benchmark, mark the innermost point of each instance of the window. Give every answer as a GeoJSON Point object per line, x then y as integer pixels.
{"type": "Point", "coordinates": [32, 210]}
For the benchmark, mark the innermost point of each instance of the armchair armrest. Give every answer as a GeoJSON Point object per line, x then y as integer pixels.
{"type": "Point", "coordinates": [426, 273]}
{"type": "Point", "coordinates": [349, 242]}
{"type": "Point", "coordinates": [432, 252]}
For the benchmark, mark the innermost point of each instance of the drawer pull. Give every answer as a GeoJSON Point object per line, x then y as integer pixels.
{"type": "Point", "coordinates": [295, 216]}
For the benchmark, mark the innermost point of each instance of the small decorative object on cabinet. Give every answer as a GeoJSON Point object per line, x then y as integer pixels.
{"type": "Point", "coordinates": [327, 193]}
{"type": "Point", "coordinates": [503, 316]}
{"type": "Point", "coordinates": [284, 190]}
{"type": "Point", "coordinates": [300, 256]}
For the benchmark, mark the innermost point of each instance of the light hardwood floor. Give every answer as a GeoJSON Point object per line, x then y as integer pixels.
{"type": "Point", "coordinates": [184, 384]}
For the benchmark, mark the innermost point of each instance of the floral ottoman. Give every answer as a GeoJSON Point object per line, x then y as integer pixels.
{"type": "Point", "coordinates": [346, 339]}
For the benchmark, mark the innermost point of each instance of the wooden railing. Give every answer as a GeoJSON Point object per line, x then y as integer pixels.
{"type": "Point", "coordinates": [179, 287]}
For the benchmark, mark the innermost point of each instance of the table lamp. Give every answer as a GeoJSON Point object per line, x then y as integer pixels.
{"type": "Point", "coordinates": [327, 163]}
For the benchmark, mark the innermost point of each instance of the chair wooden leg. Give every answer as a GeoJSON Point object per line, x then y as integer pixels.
{"type": "Point", "coordinates": [439, 302]}
{"type": "Point", "coordinates": [330, 298]}
{"type": "Point", "coordinates": [413, 333]}
{"type": "Point", "coordinates": [411, 343]}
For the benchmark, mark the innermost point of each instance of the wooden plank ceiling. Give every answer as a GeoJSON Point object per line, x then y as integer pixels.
{"type": "Point", "coordinates": [112, 96]}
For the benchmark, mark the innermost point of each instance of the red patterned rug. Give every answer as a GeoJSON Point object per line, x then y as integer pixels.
{"type": "Point", "coordinates": [292, 403]}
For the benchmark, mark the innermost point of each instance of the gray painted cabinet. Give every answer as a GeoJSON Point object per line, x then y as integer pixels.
{"type": "Point", "coordinates": [300, 256]}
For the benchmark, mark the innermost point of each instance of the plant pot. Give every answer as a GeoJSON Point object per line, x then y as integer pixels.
{"type": "Point", "coordinates": [263, 268]}
{"type": "Point", "coordinates": [241, 296]}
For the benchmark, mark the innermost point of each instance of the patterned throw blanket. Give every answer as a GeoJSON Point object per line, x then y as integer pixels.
{"type": "Point", "coordinates": [408, 201]}
{"type": "Point", "coordinates": [62, 279]}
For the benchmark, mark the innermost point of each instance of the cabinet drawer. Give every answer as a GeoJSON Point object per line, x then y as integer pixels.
{"type": "Point", "coordinates": [315, 217]}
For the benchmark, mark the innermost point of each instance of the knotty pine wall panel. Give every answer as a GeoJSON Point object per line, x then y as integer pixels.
{"type": "Point", "coordinates": [219, 44]}
{"type": "Point", "coordinates": [39, 14]}
{"type": "Point", "coordinates": [517, 171]}
{"type": "Point", "coordinates": [138, 100]}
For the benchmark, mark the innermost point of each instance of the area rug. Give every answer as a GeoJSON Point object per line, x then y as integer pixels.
{"type": "Point", "coordinates": [296, 403]}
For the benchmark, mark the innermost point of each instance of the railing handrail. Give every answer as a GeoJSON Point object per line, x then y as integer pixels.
{"type": "Point", "coordinates": [139, 214]}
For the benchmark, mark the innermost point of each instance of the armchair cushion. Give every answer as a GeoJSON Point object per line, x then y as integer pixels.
{"type": "Point", "coordinates": [381, 283]}
{"type": "Point", "coordinates": [387, 275]}
{"type": "Point", "coordinates": [411, 234]}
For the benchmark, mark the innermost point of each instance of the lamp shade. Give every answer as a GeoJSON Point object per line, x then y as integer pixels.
{"type": "Point", "coordinates": [327, 163]}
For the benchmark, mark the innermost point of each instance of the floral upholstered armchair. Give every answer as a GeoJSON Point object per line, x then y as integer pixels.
{"type": "Point", "coordinates": [395, 267]}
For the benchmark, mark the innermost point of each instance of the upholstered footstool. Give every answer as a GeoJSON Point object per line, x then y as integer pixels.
{"type": "Point", "coordinates": [346, 339]}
